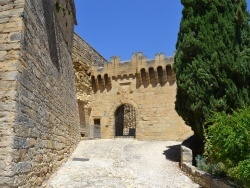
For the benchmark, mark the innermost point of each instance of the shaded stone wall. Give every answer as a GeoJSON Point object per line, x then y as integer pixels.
{"type": "Point", "coordinates": [149, 86]}
{"type": "Point", "coordinates": [41, 122]}
{"type": "Point", "coordinates": [84, 57]}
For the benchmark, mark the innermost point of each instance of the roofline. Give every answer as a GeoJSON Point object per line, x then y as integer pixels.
{"type": "Point", "coordinates": [91, 47]}
{"type": "Point", "coordinates": [72, 2]}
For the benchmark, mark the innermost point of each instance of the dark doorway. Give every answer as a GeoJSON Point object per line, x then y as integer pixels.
{"type": "Point", "coordinates": [125, 121]}
{"type": "Point", "coordinates": [97, 128]}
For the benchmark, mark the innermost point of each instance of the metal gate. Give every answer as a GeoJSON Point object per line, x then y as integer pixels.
{"type": "Point", "coordinates": [125, 121]}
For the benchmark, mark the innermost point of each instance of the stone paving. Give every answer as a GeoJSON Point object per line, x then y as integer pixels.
{"type": "Point", "coordinates": [122, 163]}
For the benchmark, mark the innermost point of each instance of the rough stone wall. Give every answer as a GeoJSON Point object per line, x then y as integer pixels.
{"type": "Point", "coordinates": [10, 37]}
{"type": "Point", "coordinates": [84, 57]}
{"type": "Point", "coordinates": [85, 54]}
{"type": "Point", "coordinates": [149, 86]}
{"type": "Point", "coordinates": [39, 117]}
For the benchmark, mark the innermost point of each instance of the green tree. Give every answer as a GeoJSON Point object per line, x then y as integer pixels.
{"type": "Point", "coordinates": [212, 62]}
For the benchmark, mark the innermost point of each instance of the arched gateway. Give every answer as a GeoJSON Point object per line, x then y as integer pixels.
{"type": "Point", "coordinates": [125, 121]}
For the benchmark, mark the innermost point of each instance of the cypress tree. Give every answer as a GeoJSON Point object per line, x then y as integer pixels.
{"type": "Point", "coordinates": [212, 61]}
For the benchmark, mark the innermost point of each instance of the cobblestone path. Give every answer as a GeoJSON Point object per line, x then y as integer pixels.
{"type": "Point", "coordinates": [122, 163]}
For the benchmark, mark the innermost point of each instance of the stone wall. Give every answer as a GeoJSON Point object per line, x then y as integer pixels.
{"type": "Point", "coordinates": [86, 54]}
{"type": "Point", "coordinates": [39, 117]}
{"type": "Point", "coordinates": [84, 57]}
{"type": "Point", "coordinates": [10, 37]}
{"type": "Point", "coordinates": [148, 86]}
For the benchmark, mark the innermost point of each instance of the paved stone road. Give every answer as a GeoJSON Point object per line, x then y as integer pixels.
{"type": "Point", "coordinates": [122, 163]}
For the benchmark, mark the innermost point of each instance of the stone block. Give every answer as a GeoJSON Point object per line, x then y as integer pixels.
{"type": "Point", "coordinates": [7, 141]}
{"type": "Point", "coordinates": [18, 36]}
{"type": "Point", "coordinates": [10, 76]}
{"type": "Point", "coordinates": [32, 142]}
{"type": "Point", "coordinates": [2, 55]}
{"type": "Point", "coordinates": [20, 143]}
{"type": "Point", "coordinates": [23, 167]}
{"type": "Point", "coordinates": [11, 46]}
{"type": "Point", "coordinates": [6, 181]}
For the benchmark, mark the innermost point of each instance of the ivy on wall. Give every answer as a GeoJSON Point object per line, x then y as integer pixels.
{"type": "Point", "coordinates": [59, 6]}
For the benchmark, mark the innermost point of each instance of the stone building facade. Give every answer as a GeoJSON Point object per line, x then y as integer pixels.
{"type": "Point", "coordinates": [39, 121]}
{"type": "Point", "coordinates": [136, 99]}
{"type": "Point", "coordinates": [126, 99]}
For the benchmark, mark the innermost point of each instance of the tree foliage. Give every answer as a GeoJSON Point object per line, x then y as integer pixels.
{"type": "Point", "coordinates": [212, 62]}
{"type": "Point", "coordinates": [228, 142]}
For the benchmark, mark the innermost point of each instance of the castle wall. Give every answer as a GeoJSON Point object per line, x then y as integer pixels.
{"type": "Point", "coordinates": [149, 86]}
{"type": "Point", "coordinates": [10, 37]}
{"type": "Point", "coordinates": [39, 115]}
{"type": "Point", "coordinates": [84, 57]}
{"type": "Point", "coordinates": [86, 54]}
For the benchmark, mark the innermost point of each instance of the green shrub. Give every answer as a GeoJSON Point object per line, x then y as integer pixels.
{"type": "Point", "coordinates": [228, 141]}
{"type": "Point", "coordinates": [241, 172]}
{"type": "Point", "coordinates": [204, 165]}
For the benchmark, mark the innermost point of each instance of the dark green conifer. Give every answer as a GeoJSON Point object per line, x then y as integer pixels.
{"type": "Point", "coordinates": [212, 62]}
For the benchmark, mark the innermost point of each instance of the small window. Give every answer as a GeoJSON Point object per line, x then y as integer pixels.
{"type": "Point", "coordinates": [48, 10]}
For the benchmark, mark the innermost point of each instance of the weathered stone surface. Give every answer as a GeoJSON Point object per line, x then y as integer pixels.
{"type": "Point", "coordinates": [2, 55]}
{"type": "Point", "coordinates": [10, 76]}
{"type": "Point", "coordinates": [23, 167]}
{"type": "Point", "coordinates": [84, 56]}
{"type": "Point", "coordinates": [38, 105]}
{"type": "Point", "coordinates": [20, 143]}
{"type": "Point", "coordinates": [16, 36]}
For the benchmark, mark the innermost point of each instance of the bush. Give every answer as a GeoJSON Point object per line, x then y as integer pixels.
{"type": "Point", "coordinates": [214, 169]}
{"type": "Point", "coordinates": [228, 141]}
{"type": "Point", "coordinates": [241, 172]}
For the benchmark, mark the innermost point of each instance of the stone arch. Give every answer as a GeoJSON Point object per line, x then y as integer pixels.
{"type": "Point", "coordinates": [113, 111]}
{"type": "Point", "coordinates": [169, 70]}
{"type": "Point", "coordinates": [160, 74]}
{"type": "Point", "coordinates": [94, 84]}
{"type": "Point", "coordinates": [151, 75]}
{"type": "Point", "coordinates": [106, 81]}
{"type": "Point", "coordinates": [143, 76]}
{"type": "Point", "coordinates": [170, 75]}
{"type": "Point", "coordinates": [100, 82]}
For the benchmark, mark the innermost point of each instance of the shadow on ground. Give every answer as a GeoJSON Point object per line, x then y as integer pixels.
{"type": "Point", "coordinates": [172, 153]}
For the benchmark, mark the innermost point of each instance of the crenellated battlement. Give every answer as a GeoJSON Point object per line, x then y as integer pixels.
{"type": "Point", "coordinates": [145, 71]}
{"type": "Point", "coordinates": [118, 68]}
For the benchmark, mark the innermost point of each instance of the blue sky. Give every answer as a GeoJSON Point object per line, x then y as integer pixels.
{"type": "Point", "coordinates": [122, 27]}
